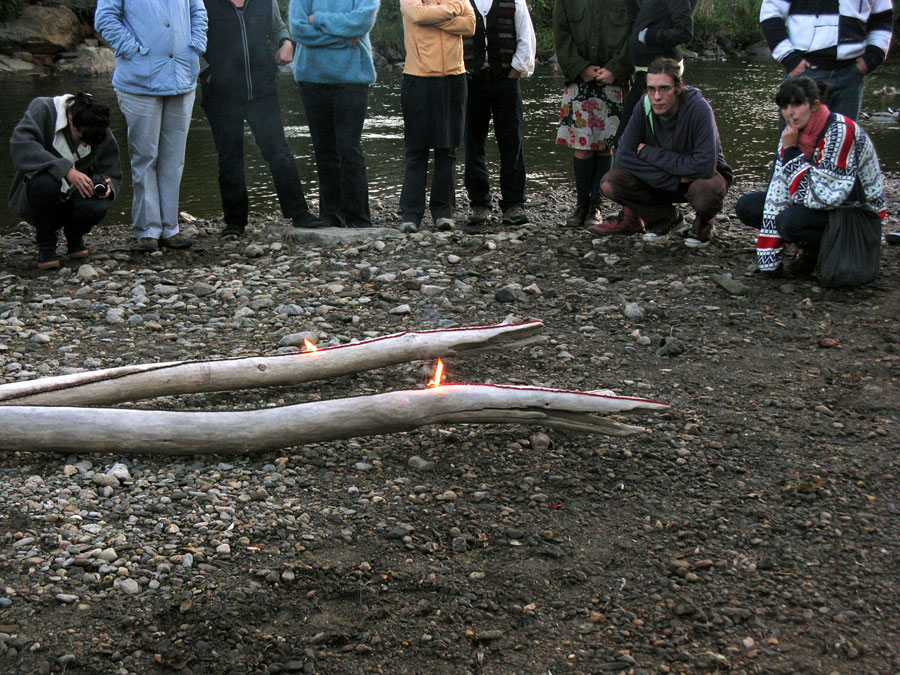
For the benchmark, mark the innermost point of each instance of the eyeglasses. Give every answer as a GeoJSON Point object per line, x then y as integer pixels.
{"type": "Point", "coordinates": [665, 89]}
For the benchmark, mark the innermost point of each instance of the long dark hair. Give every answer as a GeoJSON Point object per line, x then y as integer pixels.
{"type": "Point", "coordinates": [90, 118]}
{"type": "Point", "coordinates": [800, 89]}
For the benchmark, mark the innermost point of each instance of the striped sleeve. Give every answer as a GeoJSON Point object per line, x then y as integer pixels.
{"type": "Point", "coordinates": [773, 15]}
{"type": "Point", "coordinates": [879, 28]}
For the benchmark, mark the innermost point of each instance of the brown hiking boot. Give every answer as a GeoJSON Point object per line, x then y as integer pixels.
{"type": "Point", "coordinates": [594, 215]}
{"type": "Point", "coordinates": [576, 218]}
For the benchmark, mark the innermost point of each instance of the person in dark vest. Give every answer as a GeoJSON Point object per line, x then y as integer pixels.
{"type": "Point", "coordinates": [501, 51]}
{"type": "Point", "coordinates": [246, 41]}
{"type": "Point", "coordinates": [67, 169]}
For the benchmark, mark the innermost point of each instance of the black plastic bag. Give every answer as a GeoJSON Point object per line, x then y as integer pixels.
{"type": "Point", "coordinates": [850, 252]}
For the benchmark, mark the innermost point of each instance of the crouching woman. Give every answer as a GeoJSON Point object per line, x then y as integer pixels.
{"type": "Point", "coordinates": [825, 160]}
{"type": "Point", "coordinates": [67, 169]}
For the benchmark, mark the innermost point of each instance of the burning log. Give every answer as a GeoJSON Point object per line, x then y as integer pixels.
{"type": "Point", "coordinates": [149, 380]}
{"type": "Point", "coordinates": [66, 429]}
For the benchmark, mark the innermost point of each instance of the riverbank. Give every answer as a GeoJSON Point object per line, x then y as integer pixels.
{"type": "Point", "coordinates": [752, 528]}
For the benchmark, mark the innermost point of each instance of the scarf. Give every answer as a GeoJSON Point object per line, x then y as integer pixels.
{"type": "Point", "coordinates": [809, 134]}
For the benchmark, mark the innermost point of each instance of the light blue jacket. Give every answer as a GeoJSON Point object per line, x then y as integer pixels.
{"type": "Point", "coordinates": [326, 52]}
{"type": "Point", "coordinates": [157, 43]}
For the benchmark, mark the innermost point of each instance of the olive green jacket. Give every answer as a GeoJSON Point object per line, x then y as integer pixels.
{"type": "Point", "coordinates": [593, 33]}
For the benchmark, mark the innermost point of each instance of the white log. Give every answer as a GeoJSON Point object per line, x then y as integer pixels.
{"type": "Point", "coordinates": [149, 380]}
{"type": "Point", "coordinates": [127, 432]}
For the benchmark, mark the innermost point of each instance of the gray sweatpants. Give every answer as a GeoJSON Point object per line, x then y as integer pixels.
{"type": "Point", "coordinates": [157, 135]}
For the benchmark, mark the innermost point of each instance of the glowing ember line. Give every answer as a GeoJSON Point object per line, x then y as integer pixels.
{"type": "Point", "coordinates": [438, 374]}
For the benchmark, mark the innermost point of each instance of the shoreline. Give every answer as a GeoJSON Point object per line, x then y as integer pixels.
{"type": "Point", "coordinates": [750, 525]}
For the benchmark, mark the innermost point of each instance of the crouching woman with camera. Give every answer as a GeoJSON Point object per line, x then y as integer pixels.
{"type": "Point", "coordinates": [67, 169]}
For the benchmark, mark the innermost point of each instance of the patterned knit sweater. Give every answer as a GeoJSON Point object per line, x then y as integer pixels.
{"type": "Point", "coordinates": [843, 154]}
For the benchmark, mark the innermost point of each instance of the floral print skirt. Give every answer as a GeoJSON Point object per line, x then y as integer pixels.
{"type": "Point", "coordinates": [590, 116]}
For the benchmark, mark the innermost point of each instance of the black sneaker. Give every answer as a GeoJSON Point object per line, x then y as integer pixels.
{"type": "Point", "coordinates": [307, 220]}
{"type": "Point", "coordinates": [892, 238]}
{"type": "Point", "coordinates": [47, 258]}
{"type": "Point", "coordinates": [515, 215]}
{"type": "Point", "coordinates": [233, 231]}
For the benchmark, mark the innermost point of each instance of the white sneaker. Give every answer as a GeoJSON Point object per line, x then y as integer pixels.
{"type": "Point", "coordinates": [445, 224]}
{"type": "Point", "coordinates": [653, 237]}
{"type": "Point", "coordinates": [409, 226]}
{"type": "Point", "coordinates": [693, 242]}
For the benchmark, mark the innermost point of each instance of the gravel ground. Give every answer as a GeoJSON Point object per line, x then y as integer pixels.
{"type": "Point", "coordinates": [754, 528]}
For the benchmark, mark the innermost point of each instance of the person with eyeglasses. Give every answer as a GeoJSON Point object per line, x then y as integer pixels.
{"type": "Point", "coordinates": [67, 171]}
{"type": "Point", "coordinates": [660, 28]}
{"type": "Point", "coordinates": [670, 153]}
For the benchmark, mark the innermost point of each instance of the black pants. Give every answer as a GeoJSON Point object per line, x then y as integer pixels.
{"type": "Point", "coordinates": [226, 117]}
{"type": "Point", "coordinates": [336, 113]}
{"type": "Point", "coordinates": [443, 196]}
{"type": "Point", "coordinates": [802, 226]}
{"type": "Point", "coordinates": [796, 224]}
{"type": "Point", "coordinates": [499, 98]}
{"type": "Point", "coordinates": [52, 211]}
{"type": "Point", "coordinates": [749, 209]}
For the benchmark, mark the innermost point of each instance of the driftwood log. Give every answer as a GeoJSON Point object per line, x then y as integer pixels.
{"type": "Point", "coordinates": [149, 380]}
{"type": "Point", "coordinates": [66, 429]}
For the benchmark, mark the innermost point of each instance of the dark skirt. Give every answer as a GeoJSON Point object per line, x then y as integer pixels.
{"type": "Point", "coordinates": [434, 111]}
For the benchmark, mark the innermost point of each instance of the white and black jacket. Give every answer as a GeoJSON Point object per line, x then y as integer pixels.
{"type": "Point", "coordinates": [830, 34]}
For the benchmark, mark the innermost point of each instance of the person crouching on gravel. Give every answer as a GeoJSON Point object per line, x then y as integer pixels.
{"type": "Point", "coordinates": [669, 153]}
{"type": "Point", "coordinates": [824, 161]}
{"type": "Point", "coordinates": [67, 170]}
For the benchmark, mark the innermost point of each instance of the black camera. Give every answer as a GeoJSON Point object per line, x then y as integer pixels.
{"type": "Point", "coordinates": [100, 189]}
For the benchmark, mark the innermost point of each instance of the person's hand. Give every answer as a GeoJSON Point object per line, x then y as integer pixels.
{"type": "Point", "coordinates": [801, 68]}
{"type": "Point", "coordinates": [514, 74]}
{"type": "Point", "coordinates": [80, 182]}
{"type": "Point", "coordinates": [605, 76]}
{"type": "Point", "coordinates": [639, 148]}
{"type": "Point", "coordinates": [310, 18]}
{"type": "Point", "coordinates": [685, 179]}
{"type": "Point", "coordinates": [285, 53]}
{"type": "Point", "coordinates": [862, 65]}
{"type": "Point", "coordinates": [108, 194]}
{"type": "Point", "coordinates": [589, 74]}
{"type": "Point", "coordinates": [789, 136]}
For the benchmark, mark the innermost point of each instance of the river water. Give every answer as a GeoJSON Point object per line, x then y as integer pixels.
{"type": "Point", "coordinates": [740, 92]}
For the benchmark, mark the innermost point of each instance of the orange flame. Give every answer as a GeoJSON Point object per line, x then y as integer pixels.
{"type": "Point", "coordinates": [309, 346]}
{"type": "Point", "coordinates": [438, 374]}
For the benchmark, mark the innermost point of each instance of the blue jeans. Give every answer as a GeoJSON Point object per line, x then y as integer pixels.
{"type": "Point", "coordinates": [336, 113]}
{"type": "Point", "coordinates": [499, 98]}
{"type": "Point", "coordinates": [846, 88]}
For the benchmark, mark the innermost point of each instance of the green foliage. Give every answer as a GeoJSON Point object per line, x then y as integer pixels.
{"type": "Point", "coordinates": [11, 9]}
{"type": "Point", "coordinates": [387, 34]}
{"type": "Point", "coordinates": [731, 23]}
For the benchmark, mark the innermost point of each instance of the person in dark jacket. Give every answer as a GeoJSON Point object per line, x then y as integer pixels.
{"type": "Point", "coordinates": [246, 41]}
{"type": "Point", "coordinates": [497, 56]}
{"type": "Point", "coordinates": [67, 169]}
{"type": "Point", "coordinates": [670, 153]}
{"type": "Point", "coordinates": [592, 48]}
{"type": "Point", "coordinates": [659, 29]}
